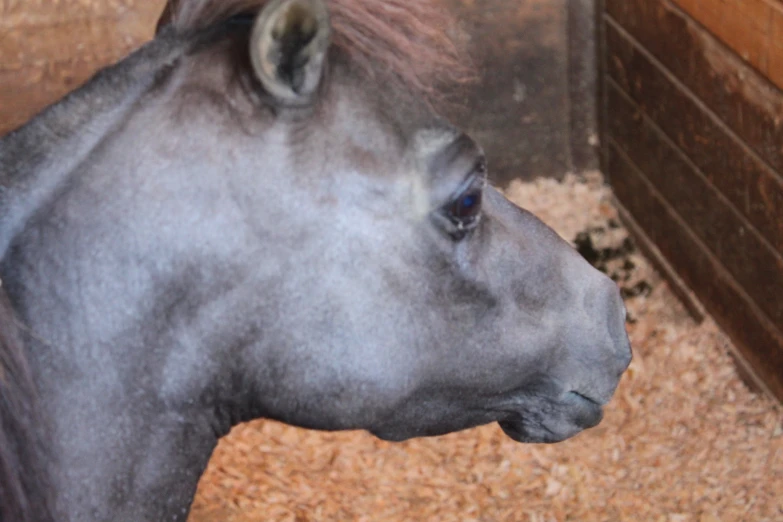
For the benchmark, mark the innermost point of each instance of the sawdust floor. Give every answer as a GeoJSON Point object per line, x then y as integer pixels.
{"type": "Point", "coordinates": [683, 440]}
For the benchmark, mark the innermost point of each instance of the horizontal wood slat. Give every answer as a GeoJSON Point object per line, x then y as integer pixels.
{"type": "Point", "coordinates": [42, 13]}
{"type": "Point", "coordinates": [50, 47]}
{"type": "Point", "coordinates": [724, 231]}
{"type": "Point", "coordinates": [757, 339]}
{"type": "Point", "coordinates": [733, 91]}
{"type": "Point", "coordinates": [72, 38]}
{"type": "Point", "coordinates": [746, 26]}
{"type": "Point", "coordinates": [693, 147]}
{"type": "Point", "coordinates": [752, 186]}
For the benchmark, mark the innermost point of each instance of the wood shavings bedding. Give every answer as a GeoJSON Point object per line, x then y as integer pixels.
{"type": "Point", "coordinates": [682, 441]}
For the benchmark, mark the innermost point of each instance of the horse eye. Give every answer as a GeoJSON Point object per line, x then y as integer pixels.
{"type": "Point", "coordinates": [466, 207]}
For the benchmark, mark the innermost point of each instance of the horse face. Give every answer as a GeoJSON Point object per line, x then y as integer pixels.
{"type": "Point", "coordinates": [415, 300]}
{"type": "Point", "coordinates": [424, 302]}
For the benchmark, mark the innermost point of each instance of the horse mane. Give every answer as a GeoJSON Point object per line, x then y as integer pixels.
{"type": "Point", "coordinates": [413, 40]}
{"type": "Point", "coordinates": [24, 483]}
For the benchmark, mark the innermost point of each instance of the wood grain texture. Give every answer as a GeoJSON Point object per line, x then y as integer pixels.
{"type": "Point", "coordinates": [776, 54]}
{"type": "Point", "coordinates": [758, 340]}
{"type": "Point", "coordinates": [694, 150]}
{"type": "Point", "coordinates": [724, 231]}
{"type": "Point", "coordinates": [732, 90]}
{"type": "Point", "coordinates": [750, 184]}
{"type": "Point", "coordinates": [745, 26]}
{"type": "Point", "coordinates": [50, 47]}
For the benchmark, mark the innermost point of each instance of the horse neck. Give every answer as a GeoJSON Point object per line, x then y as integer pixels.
{"type": "Point", "coordinates": [36, 162]}
{"type": "Point", "coordinates": [37, 158]}
{"type": "Point", "coordinates": [25, 494]}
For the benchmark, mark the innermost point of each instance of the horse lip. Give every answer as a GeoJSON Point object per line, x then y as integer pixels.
{"type": "Point", "coordinates": [591, 409]}
{"type": "Point", "coordinates": [515, 430]}
{"type": "Point", "coordinates": [583, 413]}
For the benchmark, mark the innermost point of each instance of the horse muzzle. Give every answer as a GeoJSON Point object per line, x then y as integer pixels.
{"type": "Point", "coordinates": [568, 416]}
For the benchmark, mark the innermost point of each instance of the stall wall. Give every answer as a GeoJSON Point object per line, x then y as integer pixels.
{"type": "Point", "coordinates": [753, 29]}
{"type": "Point", "coordinates": [692, 125]}
{"type": "Point", "coordinates": [49, 47]}
{"type": "Point", "coordinates": [534, 107]}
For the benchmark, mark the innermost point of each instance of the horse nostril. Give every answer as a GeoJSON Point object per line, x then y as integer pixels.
{"type": "Point", "coordinates": [628, 355]}
{"type": "Point", "coordinates": [617, 314]}
{"type": "Point", "coordinates": [624, 352]}
{"type": "Point", "coordinates": [587, 411]}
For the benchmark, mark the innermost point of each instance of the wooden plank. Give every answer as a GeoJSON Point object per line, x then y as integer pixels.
{"type": "Point", "coordinates": [738, 30]}
{"type": "Point", "coordinates": [43, 13]}
{"type": "Point", "coordinates": [738, 95]}
{"type": "Point", "coordinates": [692, 303]}
{"type": "Point", "coordinates": [777, 26]}
{"type": "Point", "coordinates": [653, 253]}
{"type": "Point", "coordinates": [751, 261]}
{"type": "Point", "coordinates": [775, 71]}
{"type": "Point", "coordinates": [582, 84]}
{"type": "Point", "coordinates": [50, 47]}
{"type": "Point", "coordinates": [759, 341]}
{"type": "Point", "coordinates": [96, 38]}
{"type": "Point", "coordinates": [743, 25]}
{"type": "Point", "coordinates": [751, 185]}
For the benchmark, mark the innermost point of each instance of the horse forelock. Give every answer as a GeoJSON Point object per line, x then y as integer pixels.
{"type": "Point", "coordinates": [416, 41]}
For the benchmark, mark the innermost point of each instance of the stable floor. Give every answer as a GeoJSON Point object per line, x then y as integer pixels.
{"type": "Point", "coordinates": [684, 439]}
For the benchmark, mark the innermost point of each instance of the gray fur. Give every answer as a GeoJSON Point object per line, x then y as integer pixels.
{"type": "Point", "coordinates": [187, 255]}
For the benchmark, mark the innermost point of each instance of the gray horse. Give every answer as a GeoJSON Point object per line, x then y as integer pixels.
{"type": "Point", "coordinates": [259, 215]}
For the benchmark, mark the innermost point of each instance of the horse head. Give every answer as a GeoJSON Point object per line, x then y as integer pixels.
{"type": "Point", "coordinates": [245, 219]}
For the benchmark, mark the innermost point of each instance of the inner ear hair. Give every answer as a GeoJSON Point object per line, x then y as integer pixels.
{"type": "Point", "coordinates": [288, 48]}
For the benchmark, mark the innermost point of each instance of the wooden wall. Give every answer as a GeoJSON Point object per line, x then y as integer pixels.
{"type": "Point", "coordinates": [49, 47]}
{"type": "Point", "coordinates": [692, 120]}
{"type": "Point", "coordinates": [751, 28]}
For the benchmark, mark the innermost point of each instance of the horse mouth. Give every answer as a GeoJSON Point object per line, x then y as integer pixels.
{"type": "Point", "coordinates": [575, 414]}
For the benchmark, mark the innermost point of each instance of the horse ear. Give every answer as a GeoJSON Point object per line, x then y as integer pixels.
{"type": "Point", "coordinates": [288, 48]}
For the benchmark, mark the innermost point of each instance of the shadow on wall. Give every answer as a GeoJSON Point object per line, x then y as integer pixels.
{"type": "Point", "coordinates": [519, 109]}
